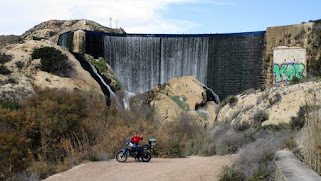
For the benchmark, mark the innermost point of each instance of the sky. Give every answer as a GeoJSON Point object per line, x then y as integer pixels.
{"type": "Point", "coordinates": [161, 16]}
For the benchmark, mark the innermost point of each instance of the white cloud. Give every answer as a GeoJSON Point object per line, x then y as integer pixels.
{"type": "Point", "coordinates": [135, 16]}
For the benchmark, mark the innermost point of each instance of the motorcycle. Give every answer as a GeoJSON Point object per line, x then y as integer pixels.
{"type": "Point", "coordinates": [137, 153]}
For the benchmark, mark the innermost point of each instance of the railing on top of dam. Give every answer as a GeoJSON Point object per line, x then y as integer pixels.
{"type": "Point", "coordinates": [171, 35]}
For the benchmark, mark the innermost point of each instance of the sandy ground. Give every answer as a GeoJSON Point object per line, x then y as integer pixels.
{"type": "Point", "coordinates": [191, 168]}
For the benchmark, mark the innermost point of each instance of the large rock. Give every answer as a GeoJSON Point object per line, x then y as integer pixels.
{"type": "Point", "coordinates": [179, 95]}
{"type": "Point", "coordinates": [30, 74]}
{"type": "Point", "coordinates": [186, 87]}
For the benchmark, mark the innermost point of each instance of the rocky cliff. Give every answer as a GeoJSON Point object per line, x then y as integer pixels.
{"type": "Point", "coordinates": [20, 73]}
{"type": "Point", "coordinates": [50, 30]}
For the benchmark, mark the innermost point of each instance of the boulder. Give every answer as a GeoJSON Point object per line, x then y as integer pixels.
{"type": "Point", "coordinates": [179, 95]}
{"type": "Point", "coordinates": [188, 88]}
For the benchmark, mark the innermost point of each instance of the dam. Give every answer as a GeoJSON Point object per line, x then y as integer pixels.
{"type": "Point", "coordinates": [226, 63]}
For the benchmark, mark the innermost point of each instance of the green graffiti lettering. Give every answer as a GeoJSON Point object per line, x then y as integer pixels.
{"type": "Point", "coordinates": [290, 72]}
{"type": "Point", "coordinates": [279, 72]}
{"type": "Point", "coordinates": [287, 71]}
{"type": "Point", "coordinates": [299, 69]}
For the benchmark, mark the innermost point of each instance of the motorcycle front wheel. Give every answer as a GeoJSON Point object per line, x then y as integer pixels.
{"type": "Point", "coordinates": [121, 156]}
{"type": "Point", "coordinates": [146, 157]}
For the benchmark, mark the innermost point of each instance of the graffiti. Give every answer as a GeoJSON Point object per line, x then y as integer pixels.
{"type": "Point", "coordinates": [287, 71]}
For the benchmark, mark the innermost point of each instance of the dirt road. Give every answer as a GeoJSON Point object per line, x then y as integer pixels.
{"type": "Point", "coordinates": [191, 168]}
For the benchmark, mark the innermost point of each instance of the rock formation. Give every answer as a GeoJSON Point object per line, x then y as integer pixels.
{"type": "Point", "coordinates": [50, 30]}
{"type": "Point", "coordinates": [29, 73]}
{"type": "Point", "coordinates": [280, 103]}
{"type": "Point", "coordinates": [181, 95]}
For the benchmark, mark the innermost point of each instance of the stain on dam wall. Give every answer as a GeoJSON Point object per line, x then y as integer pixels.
{"type": "Point", "coordinates": [227, 63]}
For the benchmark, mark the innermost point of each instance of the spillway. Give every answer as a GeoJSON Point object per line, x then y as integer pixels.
{"type": "Point", "coordinates": [226, 63]}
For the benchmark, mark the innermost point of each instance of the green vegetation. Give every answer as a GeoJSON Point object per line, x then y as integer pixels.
{"type": "Point", "coordinates": [4, 70]}
{"type": "Point", "coordinates": [5, 58]}
{"type": "Point", "coordinates": [100, 64]}
{"type": "Point", "coordinates": [268, 58]}
{"type": "Point", "coordinates": [53, 61]}
{"type": "Point", "coordinates": [180, 101]}
{"type": "Point", "coordinates": [202, 114]}
{"type": "Point", "coordinates": [10, 105]}
{"type": "Point", "coordinates": [231, 173]}
{"type": "Point", "coordinates": [9, 39]}
{"type": "Point", "coordinates": [298, 122]}
{"type": "Point", "coordinates": [260, 116]}
{"type": "Point", "coordinates": [232, 100]}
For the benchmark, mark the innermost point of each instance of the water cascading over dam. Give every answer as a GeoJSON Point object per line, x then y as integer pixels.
{"type": "Point", "coordinates": [227, 63]}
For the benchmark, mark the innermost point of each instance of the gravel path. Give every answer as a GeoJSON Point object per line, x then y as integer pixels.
{"type": "Point", "coordinates": [191, 168]}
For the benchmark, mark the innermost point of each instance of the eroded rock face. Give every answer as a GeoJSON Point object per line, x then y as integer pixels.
{"type": "Point", "coordinates": [29, 72]}
{"type": "Point", "coordinates": [280, 103]}
{"type": "Point", "coordinates": [50, 30]}
{"type": "Point", "coordinates": [188, 88]}
{"type": "Point", "coordinates": [179, 95]}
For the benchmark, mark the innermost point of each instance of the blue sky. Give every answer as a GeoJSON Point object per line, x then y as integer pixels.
{"type": "Point", "coordinates": [162, 16]}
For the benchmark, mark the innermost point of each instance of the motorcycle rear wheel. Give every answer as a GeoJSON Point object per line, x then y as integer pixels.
{"type": "Point", "coordinates": [121, 156]}
{"type": "Point", "coordinates": [146, 157]}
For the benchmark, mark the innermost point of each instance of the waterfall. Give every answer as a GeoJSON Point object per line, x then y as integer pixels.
{"type": "Point", "coordinates": [113, 96]}
{"type": "Point", "coordinates": [142, 62]}
{"type": "Point", "coordinates": [209, 90]}
{"type": "Point", "coordinates": [227, 63]}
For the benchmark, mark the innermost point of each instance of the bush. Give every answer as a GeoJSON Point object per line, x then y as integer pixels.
{"type": "Point", "coordinates": [230, 142]}
{"type": "Point", "coordinates": [257, 157]}
{"type": "Point", "coordinates": [298, 122]}
{"type": "Point", "coordinates": [11, 105]}
{"type": "Point", "coordinates": [180, 101]}
{"type": "Point", "coordinates": [262, 87]}
{"type": "Point", "coordinates": [232, 173]}
{"type": "Point", "coordinates": [53, 61]}
{"type": "Point", "coordinates": [20, 64]}
{"type": "Point", "coordinates": [4, 70]}
{"type": "Point", "coordinates": [232, 100]}
{"type": "Point", "coordinates": [5, 58]}
{"type": "Point", "coordinates": [277, 98]}
{"type": "Point", "coordinates": [260, 116]}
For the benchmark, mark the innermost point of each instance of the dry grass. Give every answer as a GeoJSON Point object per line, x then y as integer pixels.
{"type": "Point", "coordinates": [312, 134]}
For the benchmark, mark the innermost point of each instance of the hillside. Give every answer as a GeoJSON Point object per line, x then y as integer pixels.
{"type": "Point", "coordinates": [50, 30]}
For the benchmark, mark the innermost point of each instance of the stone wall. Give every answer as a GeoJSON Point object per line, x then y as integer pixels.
{"type": "Point", "coordinates": [290, 36]}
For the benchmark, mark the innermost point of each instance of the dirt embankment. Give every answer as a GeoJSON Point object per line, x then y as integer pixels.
{"type": "Point", "coordinates": [190, 168]}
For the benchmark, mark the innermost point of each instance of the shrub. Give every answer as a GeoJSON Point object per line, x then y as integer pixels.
{"type": "Point", "coordinates": [248, 91]}
{"type": "Point", "coordinates": [53, 61]}
{"type": "Point", "coordinates": [4, 70]}
{"type": "Point", "coordinates": [11, 105]}
{"type": "Point", "coordinates": [262, 87]}
{"type": "Point", "coordinates": [232, 100]}
{"type": "Point", "coordinates": [298, 122]}
{"type": "Point", "coordinates": [296, 80]}
{"type": "Point", "coordinates": [5, 58]}
{"type": "Point", "coordinates": [260, 116]}
{"type": "Point", "coordinates": [37, 38]}
{"type": "Point", "coordinates": [20, 64]}
{"type": "Point", "coordinates": [232, 173]}
{"type": "Point", "coordinates": [100, 64]}
{"type": "Point", "coordinates": [257, 157]}
{"type": "Point", "coordinates": [277, 98]}
{"type": "Point", "coordinates": [230, 142]}
{"type": "Point", "coordinates": [180, 101]}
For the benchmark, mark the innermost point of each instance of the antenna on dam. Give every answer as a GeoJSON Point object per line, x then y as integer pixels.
{"type": "Point", "coordinates": [116, 21]}
{"type": "Point", "coordinates": [110, 22]}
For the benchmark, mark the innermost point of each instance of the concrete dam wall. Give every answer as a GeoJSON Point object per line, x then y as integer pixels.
{"type": "Point", "coordinates": [227, 63]}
